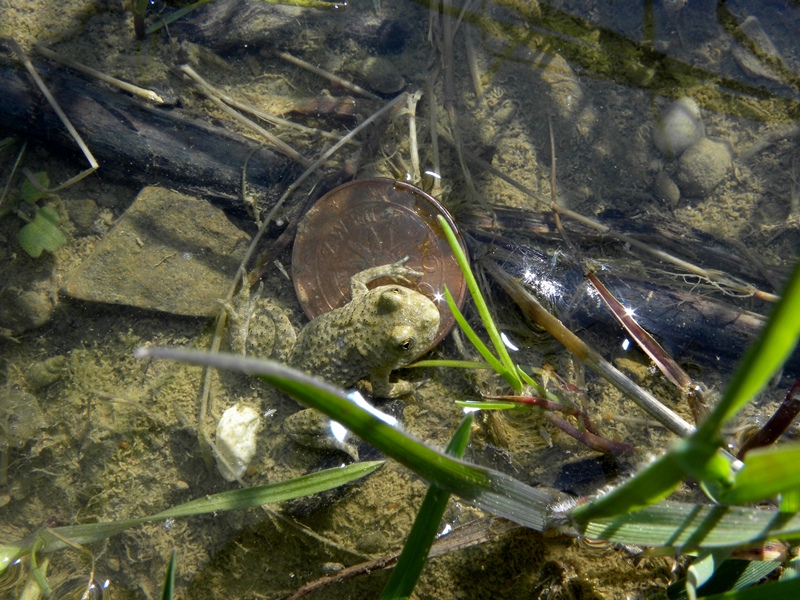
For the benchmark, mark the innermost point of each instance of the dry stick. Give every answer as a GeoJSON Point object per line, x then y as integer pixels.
{"type": "Point", "coordinates": [208, 91]}
{"type": "Point", "coordinates": [356, 89]}
{"type": "Point", "coordinates": [238, 104]}
{"type": "Point", "coordinates": [449, 28]}
{"type": "Point", "coordinates": [553, 196]}
{"type": "Point", "coordinates": [14, 168]}
{"type": "Point", "coordinates": [412, 135]}
{"type": "Point", "coordinates": [148, 95]}
{"type": "Point", "coordinates": [665, 363]}
{"type": "Point", "coordinates": [474, 69]}
{"type": "Point", "coordinates": [718, 279]}
{"type": "Point", "coordinates": [436, 191]}
{"type": "Point", "coordinates": [43, 88]}
{"type": "Point", "coordinates": [584, 352]}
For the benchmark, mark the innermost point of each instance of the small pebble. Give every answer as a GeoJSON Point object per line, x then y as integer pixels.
{"type": "Point", "coordinates": [380, 75]}
{"type": "Point", "coordinates": [665, 189]}
{"type": "Point", "coordinates": [703, 167]}
{"type": "Point", "coordinates": [680, 126]}
{"type": "Point", "coordinates": [22, 311]}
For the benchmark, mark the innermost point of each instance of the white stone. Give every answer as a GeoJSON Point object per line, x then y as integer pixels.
{"type": "Point", "coordinates": [680, 126]}
{"type": "Point", "coordinates": [236, 439]}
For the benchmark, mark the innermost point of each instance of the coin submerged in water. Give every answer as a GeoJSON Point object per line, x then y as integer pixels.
{"type": "Point", "coordinates": [367, 223]}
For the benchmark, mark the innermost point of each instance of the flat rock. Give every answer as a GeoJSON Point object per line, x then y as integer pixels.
{"type": "Point", "coordinates": [168, 252]}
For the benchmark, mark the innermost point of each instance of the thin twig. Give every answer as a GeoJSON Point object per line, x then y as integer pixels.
{"type": "Point", "coordinates": [269, 118]}
{"type": "Point", "coordinates": [356, 89]}
{"type": "Point", "coordinates": [23, 58]}
{"type": "Point", "coordinates": [11, 175]}
{"type": "Point", "coordinates": [209, 93]}
{"type": "Point", "coordinates": [412, 135]}
{"type": "Point", "coordinates": [149, 95]}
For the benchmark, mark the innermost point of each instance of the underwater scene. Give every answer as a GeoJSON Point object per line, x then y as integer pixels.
{"type": "Point", "coordinates": [399, 299]}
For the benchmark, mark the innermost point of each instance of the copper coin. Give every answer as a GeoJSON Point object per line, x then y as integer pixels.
{"type": "Point", "coordinates": [368, 223]}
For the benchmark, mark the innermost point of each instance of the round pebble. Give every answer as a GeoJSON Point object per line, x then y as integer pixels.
{"type": "Point", "coordinates": [680, 126]}
{"type": "Point", "coordinates": [665, 189]}
{"type": "Point", "coordinates": [703, 166]}
{"type": "Point", "coordinates": [381, 76]}
{"type": "Point", "coordinates": [22, 311]}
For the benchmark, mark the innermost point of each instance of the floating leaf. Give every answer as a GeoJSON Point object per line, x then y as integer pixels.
{"type": "Point", "coordinates": [42, 233]}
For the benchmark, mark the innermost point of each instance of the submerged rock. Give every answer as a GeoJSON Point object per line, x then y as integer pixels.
{"type": "Point", "coordinates": [680, 126]}
{"type": "Point", "coordinates": [703, 167]}
{"type": "Point", "coordinates": [666, 189]}
{"type": "Point", "coordinates": [167, 252]}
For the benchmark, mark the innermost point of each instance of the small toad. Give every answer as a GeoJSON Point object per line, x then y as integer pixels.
{"type": "Point", "coordinates": [378, 331]}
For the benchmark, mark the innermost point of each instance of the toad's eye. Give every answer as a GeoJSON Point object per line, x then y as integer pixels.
{"type": "Point", "coordinates": [406, 345]}
{"type": "Point", "coordinates": [403, 339]}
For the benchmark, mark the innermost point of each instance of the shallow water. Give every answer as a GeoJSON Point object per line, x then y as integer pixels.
{"type": "Point", "coordinates": [111, 438]}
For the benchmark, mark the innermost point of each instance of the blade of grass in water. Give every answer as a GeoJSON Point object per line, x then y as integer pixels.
{"type": "Point", "coordinates": [692, 526]}
{"type": "Point", "coordinates": [510, 375]}
{"type": "Point", "coordinates": [490, 490]}
{"type": "Point", "coordinates": [53, 539]}
{"type": "Point", "coordinates": [169, 580]}
{"type": "Point", "coordinates": [694, 456]}
{"type": "Point", "coordinates": [420, 539]}
{"type": "Point", "coordinates": [509, 372]}
{"type": "Point", "coordinates": [764, 357]}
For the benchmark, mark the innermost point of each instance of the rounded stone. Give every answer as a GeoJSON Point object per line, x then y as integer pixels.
{"type": "Point", "coordinates": [703, 166]}
{"type": "Point", "coordinates": [666, 189]}
{"type": "Point", "coordinates": [380, 75]}
{"type": "Point", "coordinates": [22, 311]}
{"type": "Point", "coordinates": [680, 126]}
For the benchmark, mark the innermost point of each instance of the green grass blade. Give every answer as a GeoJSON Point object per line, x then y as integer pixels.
{"type": "Point", "coordinates": [778, 590]}
{"type": "Point", "coordinates": [169, 581]}
{"type": "Point", "coordinates": [733, 574]}
{"type": "Point", "coordinates": [652, 484]}
{"type": "Point", "coordinates": [491, 405]}
{"type": "Point", "coordinates": [273, 492]}
{"type": "Point", "coordinates": [509, 375]}
{"type": "Point", "coordinates": [53, 539]}
{"type": "Point", "coordinates": [451, 364]}
{"type": "Point", "coordinates": [767, 472]}
{"type": "Point", "coordinates": [764, 357]}
{"type": "Point", "coordinates": [692, 526]}
{"type": "Point", "coordinates": [480, 303]}
{"type": "Point", "coordinates": [487, 489]}
{"type": "Point", "coordinates": [703, 569]}
{"type": "Point", "coordinates": [415, 551]}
